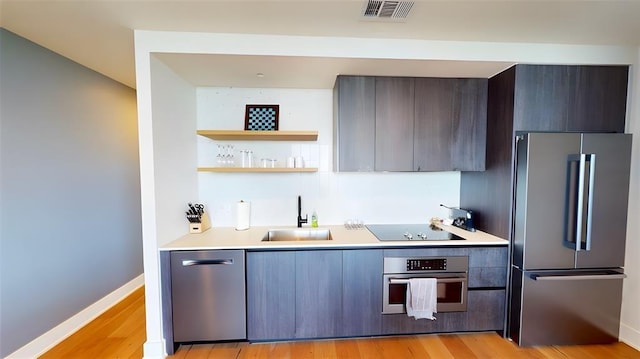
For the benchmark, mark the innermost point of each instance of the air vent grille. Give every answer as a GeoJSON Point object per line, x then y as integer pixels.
{"type": "Point", "coordinates": [392, 10]}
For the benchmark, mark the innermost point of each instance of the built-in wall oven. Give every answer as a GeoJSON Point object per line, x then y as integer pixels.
{"type": "Point", "coordinates": [450, 272]}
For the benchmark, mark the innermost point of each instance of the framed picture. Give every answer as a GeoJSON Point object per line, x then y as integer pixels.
{"type": "Point", "coordinates": [261, 117]}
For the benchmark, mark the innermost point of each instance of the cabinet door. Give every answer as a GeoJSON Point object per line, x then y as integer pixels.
{"type": "Point", "coordinates": [570, 98]}
{"type": "Point", "coordinates": [354, 123]}
{"type": "Point", "coordinates": [485, 310]}
{"type": "Point", "coordinates": [318, 298]}
{"type": "Point", "coordinates": [450, 124]}
{"type": "Point", "coordinates": [600, 102]}
{"type": "Point", "coordinates": [362, 292]}
{"type": "Point", "coordinates": [271, 295]}
{"type": "Point", "coordinates": [469, 137]}
{"type": "Point", "coordinates": [489, 192]}
{"type": "Point", "coordinates": [394, 124]}
{"type": "Point", "coordinates": [541, 99]}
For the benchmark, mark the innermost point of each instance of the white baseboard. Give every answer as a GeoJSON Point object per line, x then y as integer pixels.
{"type": "Point", "coordinates": [630, 336]}
{"type": "Point", "coordinates": [153, 350]}
{"type": "Point", "coordinates": [48, 340]}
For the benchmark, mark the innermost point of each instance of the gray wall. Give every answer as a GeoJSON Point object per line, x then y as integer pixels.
{"type": "Point", "coordinates": [70, 228]}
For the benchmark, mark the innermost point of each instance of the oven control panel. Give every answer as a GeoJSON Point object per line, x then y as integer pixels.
{"type": "Point", "coordinates": [426, 264]}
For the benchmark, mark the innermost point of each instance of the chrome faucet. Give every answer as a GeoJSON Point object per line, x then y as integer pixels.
{"type": "Point", "coordinates": [300, 219]}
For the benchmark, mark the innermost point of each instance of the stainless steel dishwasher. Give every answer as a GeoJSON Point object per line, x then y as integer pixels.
{"type": "Point", "coordinates": [208, 295]}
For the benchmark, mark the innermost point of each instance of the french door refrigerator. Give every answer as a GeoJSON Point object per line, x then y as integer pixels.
{"type": "Point", "coordinates": [568, 240]}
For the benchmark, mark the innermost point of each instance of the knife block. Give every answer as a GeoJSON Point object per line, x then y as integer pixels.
{"type": "Point", "coordinates": [205, 223]}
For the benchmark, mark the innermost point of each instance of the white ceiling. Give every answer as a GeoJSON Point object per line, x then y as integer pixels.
{"type": "Point", "coordinates": [311, 72]}
{"type": "Point", "coordinates": [99, 33]}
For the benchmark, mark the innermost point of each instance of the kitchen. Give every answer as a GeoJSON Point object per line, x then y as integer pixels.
{"type": "Point", "coordinates": [527, 53]}
{"type": "Point", "coordinates": [405, 198]}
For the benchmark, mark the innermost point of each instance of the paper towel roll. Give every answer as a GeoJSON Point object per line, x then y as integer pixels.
{"type": "Point", "coordinates": [243, 215]}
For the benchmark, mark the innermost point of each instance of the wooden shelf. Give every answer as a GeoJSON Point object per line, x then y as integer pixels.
{"type": "Point", "coordinates": [235, 135]}
{"type": "Point", "coordinates": [256, 169]}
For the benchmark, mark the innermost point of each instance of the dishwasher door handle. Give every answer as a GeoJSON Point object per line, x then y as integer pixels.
{"type": "Point", "coordinates": [201, 262]}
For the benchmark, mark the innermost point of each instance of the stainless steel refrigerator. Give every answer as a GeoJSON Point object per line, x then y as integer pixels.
{"type": "Point", "coordinates": [568, 242]}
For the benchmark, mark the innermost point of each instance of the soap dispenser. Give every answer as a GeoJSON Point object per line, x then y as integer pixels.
{"type": "Point", "coordinates": [314, 219]}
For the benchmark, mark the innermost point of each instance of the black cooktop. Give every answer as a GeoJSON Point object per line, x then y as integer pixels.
{"type": "Point", "coordinates": [410, 232]}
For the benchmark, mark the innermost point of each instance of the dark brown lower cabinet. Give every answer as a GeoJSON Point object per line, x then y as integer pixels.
{"type": "Point", "coordinates": [486, 298]}
{"type": "Point", "coordinates": [361, 292]}
{"type": "Point", "coordinates": [271, 285]}
{"type": "Point", "coordinates": [338, 293]}
{"type": "Point", "coordinates": [299, 294]}
{"type": "Point", "coordinates": [485, 312]}
{"type": "Point", "coordinates": [318, 295]}
{"type": "Point", "coordinates": [294, 294]}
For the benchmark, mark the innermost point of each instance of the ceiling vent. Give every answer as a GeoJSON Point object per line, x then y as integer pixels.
{"type": "Point", "coordinates": [386, 10]}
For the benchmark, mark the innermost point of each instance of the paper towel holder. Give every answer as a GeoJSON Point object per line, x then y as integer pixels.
{"type": "Point", "coordinates": [244, 224]}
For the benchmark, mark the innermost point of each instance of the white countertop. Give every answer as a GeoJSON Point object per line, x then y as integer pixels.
{"type": "Point", "coordinates": [229, 238]}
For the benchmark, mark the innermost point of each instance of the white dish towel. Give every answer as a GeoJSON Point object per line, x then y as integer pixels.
{"type": "Point", "coordinates": [422, 298]}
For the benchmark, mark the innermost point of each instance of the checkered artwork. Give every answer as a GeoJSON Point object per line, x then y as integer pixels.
{"type": "Point", "coordinates": [261, 118]}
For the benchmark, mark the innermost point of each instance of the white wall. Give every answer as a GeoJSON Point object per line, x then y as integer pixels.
{"type": "Point", "coordinates": [168, 177]}
{"type": "Point", "coordinates": [370, 196]}
{"type": "Point", "coordinates": [630, 326]}
{"type": "Point", "coordinates": [373, 198]}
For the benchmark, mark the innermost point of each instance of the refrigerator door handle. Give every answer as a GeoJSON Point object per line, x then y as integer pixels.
{"type": "Point", "coordinates": [580, 214]}
{"type": "Point", "coordinates": [590, 160]}
{"type": "Point", "coordinates": [579, 201]}
{"type": "Point", "coordinates": [544, 277]}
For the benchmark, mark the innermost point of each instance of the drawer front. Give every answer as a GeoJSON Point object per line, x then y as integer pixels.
{"type": "Point", "coordinates": [488, 267]}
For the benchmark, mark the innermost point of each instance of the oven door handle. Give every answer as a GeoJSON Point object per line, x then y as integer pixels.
{"type": "Point", "coordinates": [440, 280]}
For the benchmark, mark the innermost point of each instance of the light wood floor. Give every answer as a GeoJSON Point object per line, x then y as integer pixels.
{"type": "Point", "coordinates": [117, 333]}
{"type": "Point", "coordinates": [120, 333]}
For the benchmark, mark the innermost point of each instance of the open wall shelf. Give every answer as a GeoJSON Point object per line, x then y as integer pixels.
{"type": "Point", "coordinates": [256, 169]}
{"type": "Point", "coordinates": [239, 135]}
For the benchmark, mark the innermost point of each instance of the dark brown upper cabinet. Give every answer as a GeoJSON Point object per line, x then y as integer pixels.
{"type": "Point", "coordinates": [394, 124]}
{"type": "Point", "coordinates": [552, 98]}
{"type": "Point", "coordinates": [600, 101]}
{"type": "Point", "coordinates": [570, 98]}
{"type": "Point", "coordinates": [419, 124]}
{"type": "Point", "coordinates": [354, 130]}
{"type": "Point", "coordinates": [450, 124]}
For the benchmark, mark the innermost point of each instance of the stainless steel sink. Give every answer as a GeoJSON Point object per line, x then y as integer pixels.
{"type": "Point", "coordinates": [298, 234]}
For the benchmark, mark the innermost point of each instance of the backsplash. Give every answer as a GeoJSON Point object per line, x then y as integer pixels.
{"type": "Point", "coordinates": [371, 197]}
